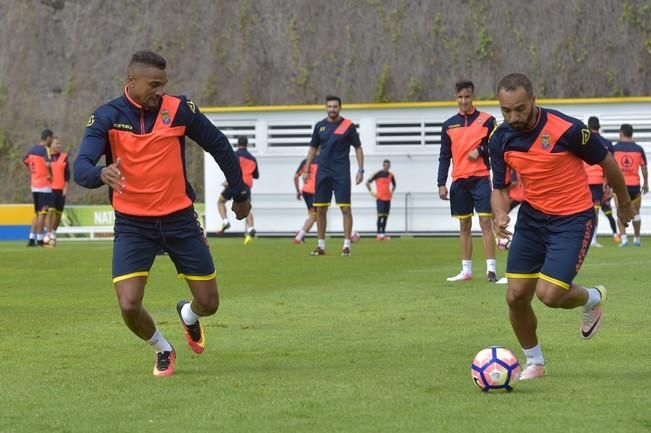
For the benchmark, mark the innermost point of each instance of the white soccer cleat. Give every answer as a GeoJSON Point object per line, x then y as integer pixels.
{"type": "Point", "coordinates": [532, 371]}
{"type": "Point", "coordinates": [502, 280]}
{"type": "Point", "coordinates": [461, 276]}
{"type": "Point", "coordinates": [591, 320]}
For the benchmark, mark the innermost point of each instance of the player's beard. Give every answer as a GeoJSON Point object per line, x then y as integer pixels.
{"type": "Point", "coordinates": [527, 124]}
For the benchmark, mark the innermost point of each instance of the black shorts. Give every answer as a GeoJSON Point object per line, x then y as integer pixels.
{"type": "Point", "coordinates": [309, 200]}
{"type": "Point", "coordinates": [58, 200]}
{"type": "Point", "coordinates": [139, 239]}
{"type": "Point", "coordinates": [42, 201]}
{"type": "Point", "coordinates": [466, 194]}
{"type": "Point", "coordinates": [383, 207]}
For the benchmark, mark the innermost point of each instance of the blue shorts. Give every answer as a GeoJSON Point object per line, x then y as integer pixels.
{"type": "Point", "coordinates": [138, 239]}
{"type": "Point", "coordinates": [466, 194]}
{"type": "Point", "coordinates": [597, 191]}
{"type": "Point", "coordinates": [42, 201]}
{"type": "Point", "coordinates": [227, 194]}
{"type": "Point", "coordinates": [383, 207]}
{"type": "Point", "coordinates": [58, 200]}
{"type": "Point", "coordinates": [327, 183]}
{"type": "Point", "coordinates": [309, 200]}
{"type": "Point", "coordinates": [634, 192]}
{"type": "Point", "coordinates": [605, 207]}
{"type": "Point", "coordinates": [549, 247]}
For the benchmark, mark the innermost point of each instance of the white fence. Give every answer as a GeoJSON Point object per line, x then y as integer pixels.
{"type": "Point", "coordinates": [407, 134]}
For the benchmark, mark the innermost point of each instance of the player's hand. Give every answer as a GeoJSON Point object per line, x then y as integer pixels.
{"type": "Point", "coordinates": [225, 184]}
{"type": "Point", "coordinates": [112, 176]}
{"type": "Point", "coordinates": [373, 194]}
{"type": "Point", "coordinates": [242, 209]}
{"type": "Point", "coordinates": [305, 176]}
{"type": "Point", "coordinates": [501, 226]}
{"type": "Point", "coordinates": [645, 188]}
{"type": "Point", "coordinates": [359, 178]}
{"type": "Point", "coordinates": [299, 196]}
{"type": "Point", "coordinates": [443, 192]}
{"type": "Point", "coordinates": [625, 212]}
{"type": "Point", "coordinates": [473, 155]}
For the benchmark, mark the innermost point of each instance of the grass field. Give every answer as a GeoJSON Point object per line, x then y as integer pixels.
{"type": "Point", "coordinates": [377, 342]}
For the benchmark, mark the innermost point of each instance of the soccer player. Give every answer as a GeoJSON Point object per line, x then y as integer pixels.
{"type": "Point", "coordinates": [142, 136]}
{"type": "Point", "coordinates": [631, 159]}
{"type": "Point", "coordinates": [334, 136]}
{"type": "Point", "coordinates": [385, 185]}
{"type": "Point", "coordinates": [596, 176]}
{"type": "Point", "coordinates": [464, 139]}
{"type": "Point", "coordinates": [607, 210]}
{"type": "Point", "coordinates": [60, 180]}
{"type": "Point", "coordinates": [249, 167]}
{"type": "Point", "coordinates": [38, 163]}
{"type": "Point", "coordinates": [307, 193]}
{"type": "Point", "coordinates": [556, 220]}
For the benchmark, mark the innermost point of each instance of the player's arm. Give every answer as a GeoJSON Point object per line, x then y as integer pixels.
{"type": "Point", "coordinates": [500, 200]}
{"type": "Point", "coordinates": [48, 162]}
{"type": "Point", "coordinates": [645, 172]}
{"type": "Point", "coordinates": [311, 154]}
{"type": "Point", "coordinates": [66, 177]}
{"type": "Point", "coordinates": [256, 173]}
{"type": "Point", "coordinates": [368, 184]}
{"type": "Point", "coordinates": [393, 182]}
{"type": "Point", "coordinates": [359, 154]}
{"type": "Point", "coordinates": [445, 156]}
{"type": "Point", "coordinates": [93, 146]}
{"type": "Point", "coordinates": [296, 176]}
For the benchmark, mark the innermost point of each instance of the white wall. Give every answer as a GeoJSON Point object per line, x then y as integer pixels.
{"type": "Point", "coordinates": [416, 207]}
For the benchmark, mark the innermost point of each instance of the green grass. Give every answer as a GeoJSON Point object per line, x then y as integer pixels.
{"type": "Point", "coordinates": [377, 342]}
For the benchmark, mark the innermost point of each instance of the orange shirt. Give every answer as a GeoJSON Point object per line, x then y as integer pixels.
{"type": "Point", "coordinates": [310, 186]}
{"type": "Point", "coordinates": [385, 183]}
{"type": "Point", "coordinates": [549, 161]}
{"type": "Point", "coordinates": [37, 159]}
{"type": "Point", "coordinates": [248, 165]}
{"type": "Point", "coordinates": [60, 170]}
{"type": "Point", "coordinates": [630, 157]}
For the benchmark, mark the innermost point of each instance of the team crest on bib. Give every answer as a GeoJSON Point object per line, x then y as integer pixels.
{"type": "Point", "coordinates": [91, 120]}
{"type": "Point", "coordinates": [545, 139]}
{"type": "Point", "coordinates": [165, 117]}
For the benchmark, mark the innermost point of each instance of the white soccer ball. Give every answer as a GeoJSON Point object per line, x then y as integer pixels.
{"type": "Point", "coordinates": [503, 244]}
{"type": "Point", "coordinates": [495, 369]}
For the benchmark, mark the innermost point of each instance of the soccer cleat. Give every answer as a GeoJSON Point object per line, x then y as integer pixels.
{"type": "Point", "coordinates": [502, 280]}
{"type": "Point", "coordinates": [379, 237]}
{"type": "Point", "coordinates": [386, 238]}
{"type": "Point", "coordinates": [595, 245]}
{"type": "Point", "coordinates": [592, 316]}
{"type": "Point", "coordinates": [164, 365]}
{"type": "Point", "coordinates": [345, 252]}
{"type": "Point", "coordinates": [31, 243]}
{"type": "Point", "coordinates": [491, 277]}
{"type": "Point", "coordinates": [223, 228]}
{"type": "Point", "coordinates": [318, 251]}
{"type": "Point", "coordinates": [461, 276]}
{"type": "Point", "coordinates": [637, 243]}
{"type": "Point", "coordinates": [617, 238]}
{"type": "Point", "coordinates": [532, 371]}
{"type": "Point", "coordinates": [193, 333]}
{"type": "Point", "coordinates": [248, 239]}
{"type": "Point", "coordinates": [623, 244]}
{"type": "Point", "coordinates": [298, 241]}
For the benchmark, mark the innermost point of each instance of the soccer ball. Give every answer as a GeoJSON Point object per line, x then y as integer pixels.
{"type": "Point", "coordinates": [495, 369]}
{"type": "Point", "coordinates": [49, 241]}
{"type": "Point", "coordinates": [503, 244]}
{"type": "Point", "coordinates": [355, 237]}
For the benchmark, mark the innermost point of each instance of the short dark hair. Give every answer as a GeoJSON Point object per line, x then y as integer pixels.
{"type": "Point", "coordinates": [46, 133]}
{"type": "Point", "coordinates": [464, 84]}
{"type": "Point", "coordinates": [242, 141]}
{"type": "Point", "coordinates": [627, 130]}
{"type": "Point", "coordinates": [333, 98]}
{"type": "Point", "coordinates": [387, 161]}
{"type": "Point", "coordinates": [593, 123]}
{"type": "Point", "coordinates": [515, 80]}
{"type": "Point", "coordinates": [149, 58]}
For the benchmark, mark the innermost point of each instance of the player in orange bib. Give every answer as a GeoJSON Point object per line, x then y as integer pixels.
{"type": "Point", "coordinates": [385, 185]}
{"type": "Point", "coordinates": [631, 160]}
{"type": "Point", "coordinates": [556, 219]}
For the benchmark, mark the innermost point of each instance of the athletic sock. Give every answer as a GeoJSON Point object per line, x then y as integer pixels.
{"type": "Point", "coordinates": [321, 243]}
{"type": "Point", "coordinates": [624, 239]}
{"type": "Point", "coordinates": [189, 316]}
{"type": "Point", "coordinates": [379, 225]}
{"type": "Point", "coordinates": [346, 243]}
{"type": "Point", "coordinates": [466, 266]}
{"type": "Point", "coordinates": [491, 265]}
{"type": "Point", "coordinates": [594, 297]}
{"type": "Point", "coordinates": [32, 236]}
{"type": "Point", "coordinates": [159, 343]}
{"type": "Point", "coordinates": [613, 224]}
{"type": "Point", "coordinates": [300, 234]}
{"type": "Point", "coordinates": [39, 237]}
{"type": "Point", "coordinates": [636, 239]}
{"type": "Point", "coordinates": [534, 355]}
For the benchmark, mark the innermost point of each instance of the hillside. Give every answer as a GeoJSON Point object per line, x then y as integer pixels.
{"type": "Point", "coordinates": [60, 59]}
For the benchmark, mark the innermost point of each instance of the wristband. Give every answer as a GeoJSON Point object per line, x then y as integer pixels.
{"type": "Point", "coordinates": [360, 170]}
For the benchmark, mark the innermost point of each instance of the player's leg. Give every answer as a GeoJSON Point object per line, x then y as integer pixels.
{"type": "Point", "coordinates": [608, 212]}
{"type": "Point", "coordinates": [481, 196]}
{"type": "Point", "coordinates": [461, 207]}
{"type": "Point", "coordinates": [134, 250]}
{"type": "Point", "coordinates": [309, 221]}
{"type": "Point", "coordinates": [225, 196]}
{"type": "Point", "coordinates": [322, 198]}
{"type": "Point", "coordinates": [32, 231]}
{"type": "Point", "coordinates": [249, 232]}
{"type": "Point", "coordinates": [637, 221]}
{"type": "Point", "coordinates": [342, 187]}
{"type": "Point", "coordinates": [378, 205]}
